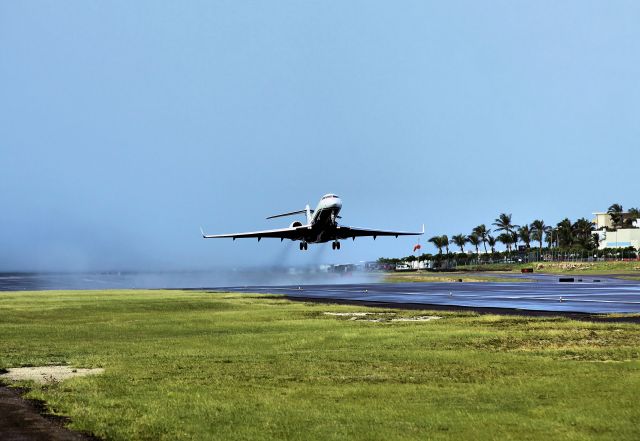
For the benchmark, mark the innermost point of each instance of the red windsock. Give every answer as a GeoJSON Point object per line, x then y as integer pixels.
{"type": "Point", "coordinates": [416, 247]}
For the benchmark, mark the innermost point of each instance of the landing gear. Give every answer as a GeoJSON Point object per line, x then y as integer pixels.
{"type": "Point", "coordinates": [335, 245]}
{"type": "Point", "coordinates": [303, 246]}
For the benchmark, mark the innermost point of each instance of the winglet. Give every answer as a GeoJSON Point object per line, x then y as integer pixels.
{"type": "Point", "coordinates": [422, 232]}
{"type": "Point", "coordinates": [202, 231]}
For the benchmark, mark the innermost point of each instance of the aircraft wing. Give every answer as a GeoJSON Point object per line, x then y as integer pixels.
{"type": "Point", "coordinates": [351, 232]}
{"type": "Point", "coordinates": [281, 233]}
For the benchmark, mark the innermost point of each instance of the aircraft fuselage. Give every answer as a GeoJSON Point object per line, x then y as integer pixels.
{"type": "Point", "coordinates": [323, 224]}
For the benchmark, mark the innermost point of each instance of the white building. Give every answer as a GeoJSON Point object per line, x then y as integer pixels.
{"type": "Point", "coordinates": [616, 238]}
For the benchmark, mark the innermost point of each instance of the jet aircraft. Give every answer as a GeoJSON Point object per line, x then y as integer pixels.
{"type": "Point", "coordinates": [322, 226]}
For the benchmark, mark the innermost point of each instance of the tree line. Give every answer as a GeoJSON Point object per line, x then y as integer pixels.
{"type": "Point", "coordinates": [576, 237]}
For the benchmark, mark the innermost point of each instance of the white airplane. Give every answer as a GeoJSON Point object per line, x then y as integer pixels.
{"type": "Point", "coordinates": [321, 226]}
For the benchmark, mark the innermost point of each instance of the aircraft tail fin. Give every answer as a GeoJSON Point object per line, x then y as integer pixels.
{"type": "Point", "coordinates": [308, 211]}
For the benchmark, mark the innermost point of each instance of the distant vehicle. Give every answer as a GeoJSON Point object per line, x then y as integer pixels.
{"type": "Point", "coordinates": [322, 226]}
{"type": "Point", "coordinates": [403, 267]}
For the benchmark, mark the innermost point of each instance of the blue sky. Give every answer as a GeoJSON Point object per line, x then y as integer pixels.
{"type": "Point", "coordinates": [124, 126]}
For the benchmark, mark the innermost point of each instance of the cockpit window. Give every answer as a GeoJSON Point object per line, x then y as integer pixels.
{"type": "Point", "coordinates": [329, 196]}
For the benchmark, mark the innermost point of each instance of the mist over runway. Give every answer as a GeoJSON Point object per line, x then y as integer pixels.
{"type": "Point", "coordinates": [591, 295]}
{"type": "Point", "coordinates": [178, 279]}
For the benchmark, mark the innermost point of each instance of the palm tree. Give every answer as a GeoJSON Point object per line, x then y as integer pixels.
{"type": "Point", "coordinates": [633, 215]}
{"type": "Point", "coordinates": [445, 242]}
{"type": "Point", "coordinates": [503, 223]}
{"type": "Point", "coordinates": [551, 232]}
{"type": "Point", "coordinates": [583, 232]}
{"type": "Point", "coordinates": [460, 240]}
{"type": "Point", "coordinates": [565, 233]}
{"type": "Point", "coordinates": [437, 242]}
{"type": "Point", "coordinates": [525, 235]}
{"type": "Point", "coordinates": [482, 232]}
{"type": "Point", "coordinates": [492, 243]}
{"type": "Point", "coordinates": [506, 239]}
{"type": "Point", "coordinates": [615, 212]}
{"type": "Point", "coordinates": [475, 241]}
{"type": "Point", "coordinates": [538, 229]}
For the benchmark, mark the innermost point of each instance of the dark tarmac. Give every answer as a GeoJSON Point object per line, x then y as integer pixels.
{"type": "Point", "coordinates": [586, 295]}
{"type": "Point", "coordinates": [602, 294]}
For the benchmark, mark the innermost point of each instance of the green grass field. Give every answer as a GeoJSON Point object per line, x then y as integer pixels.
{"type": "Point", "coordinates": [577, 268]}
{"type": "Point", "coordinates": [624, 270]}
{"type": "Point", "coordinates": [425, 276]}
{"type": "Point", "coordinates": [189, 365]}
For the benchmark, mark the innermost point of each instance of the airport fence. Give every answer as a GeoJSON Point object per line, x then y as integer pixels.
{"type": "Point", "coordinates": [534, 256]}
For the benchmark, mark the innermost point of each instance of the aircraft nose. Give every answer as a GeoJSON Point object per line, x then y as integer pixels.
{"type": "Point", "coordinates": [337, 203]}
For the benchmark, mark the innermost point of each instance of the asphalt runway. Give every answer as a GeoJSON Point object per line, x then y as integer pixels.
{"type": "Point", "coordinates": [590, 295]}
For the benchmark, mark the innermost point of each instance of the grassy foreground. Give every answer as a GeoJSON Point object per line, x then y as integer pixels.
{"type": "Point", "coordinates": [188, 365]}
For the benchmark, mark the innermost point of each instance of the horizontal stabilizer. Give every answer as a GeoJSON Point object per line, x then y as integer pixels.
{"type": "Point", "coordinates": [291, 213]}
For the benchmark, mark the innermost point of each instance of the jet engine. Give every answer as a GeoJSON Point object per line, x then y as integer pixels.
{"type": "Point", "coordinates": [295, 224]}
